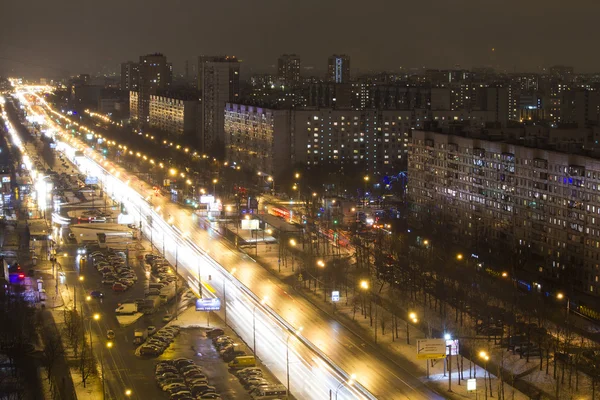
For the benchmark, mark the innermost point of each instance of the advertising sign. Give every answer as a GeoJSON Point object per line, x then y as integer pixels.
{"type": "Point", "coordinates": [250, 224]}
{"type": "Point", "coordinates": [213, 304]}
{"type": "Point", "coordinates": [91, 180]}
{"type": "Point", "coordinates": [207, 199]}
{"type": "Point", "coordinates": [431, 349]}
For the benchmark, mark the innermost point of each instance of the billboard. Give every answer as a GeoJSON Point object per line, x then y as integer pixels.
{"type": "Point", "coordinates": [431, 349]}
{"type": "Point", "coordinates": [250, 224]}
{"type": "Point", "coordinates": [213, 304]}
{"type": "Point", "coordinates": [91, 180]}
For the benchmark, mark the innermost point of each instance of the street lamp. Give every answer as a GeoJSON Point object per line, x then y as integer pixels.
{"type": "Point", "coordinates": [412, 317]}
{"type": "Point", "coordinates": [297, 332]}
{"type": "Point", "coordinates": [485, 357]}
{"type": "Point", "coordinates": [561, 296]}
{"type": "Point", "coordinates": [350, 382]}
{"type": "Point", "coordinates": [109, 346]}
{"type": "Point", "coordinates": [459, 256]}
{"type": "Point", "coordinates": [262, 302]}
{"type": "Point", "coordinates": [215, 186]}
{"type": "Point", "coordinates": [128, 392]}
{"type": "Point", "coordinates": [293, 244]}
{"type": "Point", "coordinates": [321, 264]}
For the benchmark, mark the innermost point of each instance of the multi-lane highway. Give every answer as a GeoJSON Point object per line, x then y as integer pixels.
{"type": "Point", "coordinates": [290, 333]}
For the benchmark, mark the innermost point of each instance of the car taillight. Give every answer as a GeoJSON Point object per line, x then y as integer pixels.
{"type": "Point", "coordinates": [21, 276]}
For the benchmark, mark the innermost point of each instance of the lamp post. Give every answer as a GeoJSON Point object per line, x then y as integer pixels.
{"type": "Point", "coordinates": [184, 235]}
{"type": "Point", "coordinates": [350, 382]}
{"type": "Point", "coordinates": [412, 317]}
{"type": "Point", "coordinates": [214, 181]}
{"type": "Point", "coordinates": [292, 244]}
{"type": "Point", "coordinates": [109, 346]}
{"type": "Point", "coordinates": [287, 357]}
{"type": "Point", "coordinates": [263, 301]}
{"type": "Point", "coordinates": [485, 357]}
{"type": "Point", "coordinates": [561, 296]}
{"type": "Point", "coordinates": [81, 278]}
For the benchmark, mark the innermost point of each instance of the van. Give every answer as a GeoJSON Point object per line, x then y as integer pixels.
{"type": "Point", "coordinates": [242, 362]}
{"type": "Point", "coordinates": [270, 392]}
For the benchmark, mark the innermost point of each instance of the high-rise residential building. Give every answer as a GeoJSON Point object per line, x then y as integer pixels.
{"type": "Point", "coordinates": [271, 140]}
{"type": "Point", "coordinates": [288, 69]}
{"type": "Point", "coordinates": [130, 76]}
{"type": "Point", "coordinates": [338, 69]}
{"type": "Point", "coordinates": [155, 74]}
{"type": "Point", "coordinates": [258, 138]}
{"type": "Point", "coordinates": [219, 82]}
{"type": "Point", "coordinates": [502, 198]}
{"type": "Point", "coordinates": [173, 114]}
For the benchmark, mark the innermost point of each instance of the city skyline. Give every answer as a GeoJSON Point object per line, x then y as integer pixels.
{"type": "Point", "coordinates": [409, 36]}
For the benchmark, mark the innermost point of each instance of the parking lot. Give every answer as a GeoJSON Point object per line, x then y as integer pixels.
{"type": "Point", "coordinates": [194, 345]}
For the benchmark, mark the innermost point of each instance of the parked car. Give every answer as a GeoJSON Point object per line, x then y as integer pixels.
{"type": "Point", "coordinates": [214, 333]}
{"type": "Point", "coordinates": [151, 330]}
{"type": "Point", "coordinates": [119, 287]}
{"type": "Point", "coordinates": [96, 294]}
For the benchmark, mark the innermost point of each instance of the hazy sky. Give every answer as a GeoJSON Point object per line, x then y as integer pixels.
{"type": "Point", "coordinates": [86, 36]}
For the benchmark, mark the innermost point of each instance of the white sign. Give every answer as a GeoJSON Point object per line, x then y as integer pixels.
{"type": "Point", "coordinates": [431, 349]}
{"type": "Point", "coordinates": [452, 347]}
{"type": "Point", "coordinates": [471, 385]}
{"type": "Point", "coordinates": [335, 296]}
{"type": "Point", "coordinates": [250, 224]}
{"type": "Point", "coordinates": [207, 199]}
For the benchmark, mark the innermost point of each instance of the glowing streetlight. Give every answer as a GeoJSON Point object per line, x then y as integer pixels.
{"type": "Point", "coordinates": [81, 278]}
{"type": "Point", "coordinates": [128, 392]}
{"type": "Point", "coordinates": [297, 175]}
{"type": "Point", "coordinates": [173, 171]}
{"type": "Point", "coordinates": [459, 256]}
{"type": "Point", "coordinates": [560, 296]}
{"type": "Point", "coordinates": [109, 345]}
{"type": "Point", "coordinates": [292, 242]}
{"type": "Point", "coordinates": [96, 317]}
{"type": "Point", "coordinates": [88, 298]}
{"type": "Point", "coordinates": [412, 317]}
{"type": "Point", "coordinates": [364, 284]}
{"type": "Point", "coordinates": [366, 178]}
{"type": "Point", "coordinates": [321, 264]}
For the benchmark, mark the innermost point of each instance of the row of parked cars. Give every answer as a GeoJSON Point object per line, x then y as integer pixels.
{"type": "Point", "coordinates": [184, 380]}
{"type": "Point", "coordinates": [113, 266]}
{"type": "Point", "coordinates": [159, 341]}
{"type": "Point", "coordinates": [244, 366]}
{"type": "Point", "coordinates": [161, 269]}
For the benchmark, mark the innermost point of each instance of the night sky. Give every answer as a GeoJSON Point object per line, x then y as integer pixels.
{"type": "Point", "coordinates": [57, 37]}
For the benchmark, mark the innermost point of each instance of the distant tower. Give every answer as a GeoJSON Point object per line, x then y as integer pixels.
{"type": "Point", "coordinates": [219, 81]}
{"type": "Point", "coordinates": [338, 69]}
{"type": "Point", "coordinates": [288, 69]}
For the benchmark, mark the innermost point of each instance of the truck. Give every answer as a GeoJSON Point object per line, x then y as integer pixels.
{"type": "Point", "coordinates": [139, 336]}
{"type": "Point", "coordinates": [151, 304]}
{"type": "Point", "coordinates": [126, 309]}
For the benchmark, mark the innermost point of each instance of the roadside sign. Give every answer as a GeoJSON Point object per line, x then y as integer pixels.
{"type": "Point", "coordinates": [431, 349]}
{"type": "Point", "coordinates": [452, 347]}
{"type": "Point", "coordinates": [213, 304]}
{"type": "Point", "coordinates": [335, 296]}
{"type": "Point", "coordinates": [471, 385]}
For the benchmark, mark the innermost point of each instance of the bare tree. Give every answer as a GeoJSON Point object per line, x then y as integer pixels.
{"type": "Point", "coordinates": [52, 352]}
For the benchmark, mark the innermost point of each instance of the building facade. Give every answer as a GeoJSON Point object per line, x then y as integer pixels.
{"type": "Point", "coordinates": [134, 105]}
{"type": "Point", "coordinates": [288, 69]}
{"type": "Point", "coordinates": [377, 140]}
{"type": "Point", "coordinates": [258, 138]}
{"type": "Point", "coordinates": [155, 74]}
{"type": "Point", "coordinates": [338, 68]}
{"type": "Point", "coordinates": [219, 82]}
{"type": "Point", "coordinates": [173, 115]}
{"type": "Point", "coordinates": [130, 76]}
{"type": "Point", "coordinates": [542, 205]}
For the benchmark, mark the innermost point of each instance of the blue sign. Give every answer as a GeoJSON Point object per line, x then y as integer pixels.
{"type": "Point", "coordinates": [91, 180]}
{"type": "Point", "coordinates": [213, 304]}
